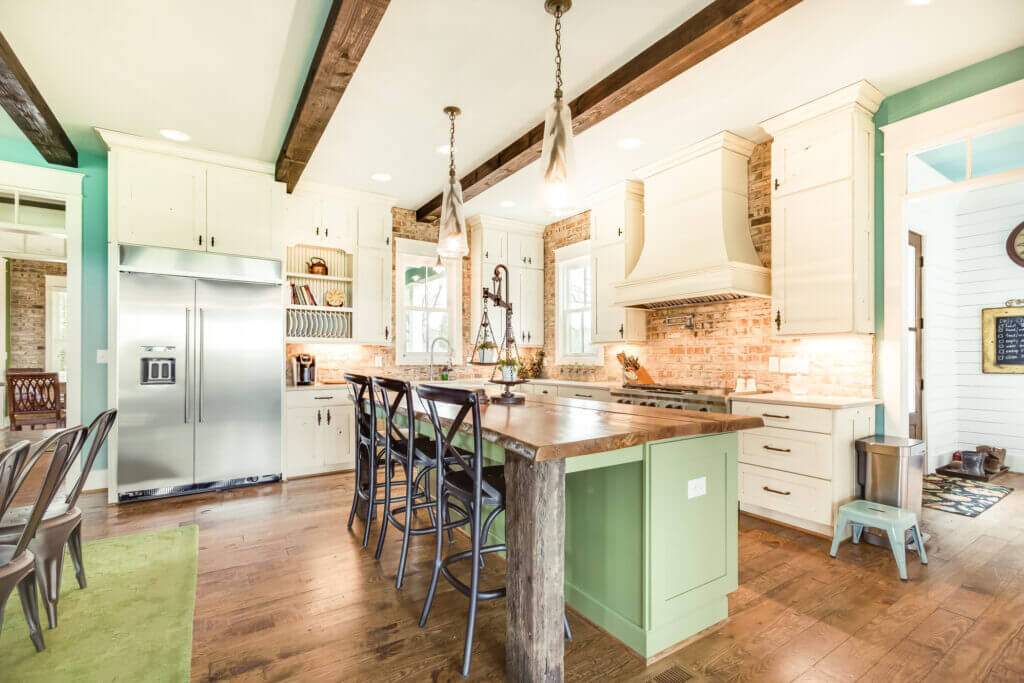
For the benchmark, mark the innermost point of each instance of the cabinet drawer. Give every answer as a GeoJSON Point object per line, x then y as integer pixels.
{"type": "Point", "coordinates": [791, 494]}
{"type": "Point", "coordinates": [585, 393]}
{"type": "Point", "coordinates": [315, 399]}
{"type": "Point", "coordinates": [787, 416]}
{"type": "Point", "coordinates": [790, 450]}
{"type": "Point", "coordinates": [545, 389]}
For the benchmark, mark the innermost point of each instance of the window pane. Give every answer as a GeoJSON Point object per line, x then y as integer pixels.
{"type": "Point", "coordinates": [1002, 150]}
{"type": "Point", "coordinates": [576, 286]}
{"type": "Point", "coordinates": [438, 327]}
{"type": "Point", "coordinates": [937, 167]}
{"type": "Point", "coordinates": [41, 212]}
{"type": "Point", "coordinates": [437, 288]}
{"type": "Point", "coordinates": [6, 207]}
{"type": "Point", "coordinates": [415, 292]}
{"type": "Point", "coordinates": [415, 331]}
{"type": "Point", "coordinates": [585, 346]}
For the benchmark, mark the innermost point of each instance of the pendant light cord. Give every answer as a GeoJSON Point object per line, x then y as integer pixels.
{"type": "Point", "coordinates": [451, 146]}
{"type": "Point", "coordinates": [558, 54]}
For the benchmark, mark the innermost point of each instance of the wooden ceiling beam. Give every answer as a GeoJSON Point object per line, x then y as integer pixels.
{"type": "Point", "coordinates": [717, 26]}
{"type": "Point", "coordinates": [25, 104]}
{"type": "Point", "coordinates": [347, 32]}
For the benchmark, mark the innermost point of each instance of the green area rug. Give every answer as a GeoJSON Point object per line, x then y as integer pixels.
{"type": "Point", "coordinates": [961, 496]}
{"type": "Point", "coordinates": [132, 623]}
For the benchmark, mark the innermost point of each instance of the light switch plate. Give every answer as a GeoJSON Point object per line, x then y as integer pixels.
{"type": "Point", "coordinates": [773, 364]}
{"type": "Point", "coordinates": [101, 356]}
{"type": "Point", "coordinates": [695, 488]}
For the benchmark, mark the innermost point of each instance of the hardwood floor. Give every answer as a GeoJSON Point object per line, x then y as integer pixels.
{"type": "Point", "coordinates": [285, 592]}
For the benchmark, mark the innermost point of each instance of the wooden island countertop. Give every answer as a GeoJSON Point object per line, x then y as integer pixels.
{"type": "Point", "coordinates": [551, 428]}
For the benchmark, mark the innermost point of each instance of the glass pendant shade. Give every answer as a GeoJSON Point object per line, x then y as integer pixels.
{"type": "Point", "coordinates": [451, 236]}
{"type": "Point", "coordinates": [558, 162]}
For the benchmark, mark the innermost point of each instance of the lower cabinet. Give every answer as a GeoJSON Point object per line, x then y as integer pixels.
{"type": "Point", "coordinates": [319, 432]}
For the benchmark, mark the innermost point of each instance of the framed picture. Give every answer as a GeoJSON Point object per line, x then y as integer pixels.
{"type": "Point", "coordinates": [1002, 340]}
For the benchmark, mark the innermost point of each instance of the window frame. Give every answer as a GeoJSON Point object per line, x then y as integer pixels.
{"type": "Point", "coordinates": [418, 253]}
{"type": "Point", "coordinates": [54, 286]}
{"type": "Point", "coordinates": [566, 258]}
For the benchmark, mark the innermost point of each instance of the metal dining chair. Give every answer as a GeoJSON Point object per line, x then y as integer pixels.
{"type": "Point", "coordinates": [50, 530]}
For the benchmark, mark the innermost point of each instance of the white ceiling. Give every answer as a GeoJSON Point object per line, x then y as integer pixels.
{"type": "Point", "coordinates": [496, 63]}
{"type": "Point", "coordinates": [227, 72]}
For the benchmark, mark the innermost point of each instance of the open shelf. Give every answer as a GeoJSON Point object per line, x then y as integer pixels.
{"type": "Point", "coordinates": [318, 340]}
{"type": "Point", "coordinates": [327, 278]}
{"type": "Point", "coordinates": [324, 309]}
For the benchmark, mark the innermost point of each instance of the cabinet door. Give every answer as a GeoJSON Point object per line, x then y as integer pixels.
{"type": "Point", "coordinates": [338, 220]}
{"type": "Point", "coordinates": [812, 261]}
{"type": "Point", "coordinates": [606, 221]}
{"type": "Point", "coordinates": [813, 154]}
{"type": "Point", "coordinates": [532, 302]}
{"type": "Point", "coordinates": [302, 218]}
{"type": "Point", "coordinates": [525, 250]}
{"type": "Point", "coordinates": [373, 295]}
{"type": "Point", "coordinates": [495, 246]}
{"type": "Point", "coordinates": [608, 266]}
{"type": "Point", "coordinates": [337, 437]}
{"type": "Point", "coordinates": [300, 442]}
{"type": "Point", "coordinates": [161, 201]}
{"type": "Point", "coordinates": [374, 225]}
{"type": "Point", "coordinates": [239, 212]}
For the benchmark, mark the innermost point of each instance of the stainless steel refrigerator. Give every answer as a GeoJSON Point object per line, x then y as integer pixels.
{"type": "Point", "coordinates": [200, 368]}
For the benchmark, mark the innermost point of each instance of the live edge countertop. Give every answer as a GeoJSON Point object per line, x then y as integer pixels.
{"type": "Point", "coordinates": [550, 428]}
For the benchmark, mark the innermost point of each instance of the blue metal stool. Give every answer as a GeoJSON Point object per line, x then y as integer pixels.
{"type": "Point", "coordinates": [895, 522]}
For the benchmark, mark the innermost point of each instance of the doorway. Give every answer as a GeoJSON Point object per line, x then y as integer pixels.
{"type": "Point", "coordinates": [915, 268]}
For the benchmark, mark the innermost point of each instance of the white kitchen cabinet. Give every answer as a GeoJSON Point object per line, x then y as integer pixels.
{"type": "Point", "coordinates": [612, 323]}
{"type": "Point", "coordinates": [823, 214]}
{"type": "Point", "coordinates": [319, 432]}
{"type": "Point", "coordinates": [317, 219]}
{"type": "Point", "coordinates": [616, 217]}
{"type": "Point", "coordinates": [495, 246]}
{"type": "Point", "coordinates": [801, 466]}
{"type": "Point", "coordinates": [526, 293]}
{"type": "Point", "coordinates": [375, 225]}
{"type": "Point", "coordinates": [525, 250]}
{"type": "Point", "coordinates": [372, 314]}
{"type": "Point", "coordinates": [160, 200]}
{"type": "Point", "coordinates": [239, 212]}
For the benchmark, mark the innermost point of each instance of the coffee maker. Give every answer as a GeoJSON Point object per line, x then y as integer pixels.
{"type": "Point", "coordinates": [304, 369]}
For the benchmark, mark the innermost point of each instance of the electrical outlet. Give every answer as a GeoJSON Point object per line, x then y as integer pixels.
{"type": "Point", "coordinates": [773, 364]}
{"type": "Point", "coordinates": [101, 356]}
{"type": "Point", "coordinates": [695, 488]}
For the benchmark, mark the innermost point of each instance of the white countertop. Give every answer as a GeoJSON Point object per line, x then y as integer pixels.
{"type": "Point", "coordinates": [810, 400]}
{"type": "Point", "coordinates": [318, 387]}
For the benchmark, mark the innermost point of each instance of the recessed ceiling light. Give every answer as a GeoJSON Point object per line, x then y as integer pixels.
{"type": "Point", "coordinates": [176, 135]}
{"type": "Point", "coordinates": [508, 203]}
{"type": "Point", "coordinates": [443, 149]}
{"type": "Point", "coordinates": [381, 177]}
{"type": "Point", "coordinates": [630, 143]}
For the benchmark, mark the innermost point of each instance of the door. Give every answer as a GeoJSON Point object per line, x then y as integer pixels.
{"type": "Point", "coordinates": [239, 212]}
{"type": "Point", "coordinates": [161, 201]}
{"type": "Point", "coordinates": [238, 383]}
{"type": "Point", "coordinates": [373, 295]}
{"type": "Point", "coordinates": [300, 442]}
{"type": "Point", "coordinates": [156, 323]}
{"type": "Point", "coordinates": [915, 329]}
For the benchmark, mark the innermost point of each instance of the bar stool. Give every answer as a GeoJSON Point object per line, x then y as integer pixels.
{"type": "Point", "coordinates": [461, 476]}
{"type": "Point", "coordinates": [415, 455]}
{"type": "Point", "coordinates": [369, 452]}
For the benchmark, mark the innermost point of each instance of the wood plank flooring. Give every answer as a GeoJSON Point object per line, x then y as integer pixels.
{"type": "Point", "coordinates": [286, 593]}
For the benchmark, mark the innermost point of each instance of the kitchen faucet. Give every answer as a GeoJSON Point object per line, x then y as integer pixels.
{"type": "Point", "coordinates": [430, 367]}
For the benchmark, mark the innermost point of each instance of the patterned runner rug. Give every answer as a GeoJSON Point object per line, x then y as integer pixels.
{"type": "Point", "coordinates": [961, 496]}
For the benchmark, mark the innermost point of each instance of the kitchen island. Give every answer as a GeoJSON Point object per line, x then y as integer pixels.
{"type": "Point", "coordinates": [627, 513]}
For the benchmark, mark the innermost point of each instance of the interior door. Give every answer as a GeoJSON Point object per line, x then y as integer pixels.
{"type": "Point", "coordinates": [915, 328]}
{"type": "Point", "coordinates": [238, 384]}
{"type": "Point", "coordinates": [156, 322]}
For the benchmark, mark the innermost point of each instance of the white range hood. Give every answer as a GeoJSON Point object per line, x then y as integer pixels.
{"type": "Point", "coordinates": [697, 246]}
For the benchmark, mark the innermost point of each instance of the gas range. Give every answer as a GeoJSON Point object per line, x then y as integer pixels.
{"type": "Point", "coordinates": [678, 396]}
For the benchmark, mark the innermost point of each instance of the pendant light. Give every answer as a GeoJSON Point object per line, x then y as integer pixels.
{"type": "Point", "coordinates": [557, 158]}
{"type": "Point", "coordinates": [451, 234]}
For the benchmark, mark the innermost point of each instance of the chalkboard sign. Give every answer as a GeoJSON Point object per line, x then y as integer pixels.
{"type": "Point", "coordinates": [1002, 334]}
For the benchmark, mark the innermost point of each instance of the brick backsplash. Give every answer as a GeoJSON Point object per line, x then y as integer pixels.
{"type": "Point", "coordinates": [27, 311]}
{"type": "Point", "coordinates": [728, 340]}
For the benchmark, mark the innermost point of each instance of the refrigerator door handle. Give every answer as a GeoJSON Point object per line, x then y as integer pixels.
{"type": "Point", "coordinates": [199, 380]}
{"type": "Point", "coordinates": [188, 353]}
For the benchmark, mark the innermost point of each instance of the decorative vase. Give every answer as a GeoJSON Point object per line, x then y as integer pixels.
{"type": "Point", "coordinates": [509, 373]}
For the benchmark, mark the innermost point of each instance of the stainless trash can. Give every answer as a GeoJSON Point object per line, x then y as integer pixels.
{"type": "Point", "coordinates": [890, 470]}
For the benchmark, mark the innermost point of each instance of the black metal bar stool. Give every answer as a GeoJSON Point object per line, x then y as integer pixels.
{"type": "Point", "coordinates": [369, 452]}
{"type": "Point", "coordinates": [415, 455]}
{"type": "Point", "coordinates": [464, 479]}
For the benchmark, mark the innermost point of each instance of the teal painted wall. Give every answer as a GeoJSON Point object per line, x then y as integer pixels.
{"type": "Point", "coordinates": [94, 269]}
{"type": "Point", "coordinates": [967, 82]}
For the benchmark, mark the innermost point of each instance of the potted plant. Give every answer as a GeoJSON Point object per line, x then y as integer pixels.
{"type": "Point", "coordinates": [509, 369]}
{"type": "Point", "coordinates": [486, 351]}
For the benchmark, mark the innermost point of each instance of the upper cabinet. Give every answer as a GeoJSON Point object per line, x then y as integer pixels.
{"type": "Point", "coordinates": [321, 219]}
{"type": "Point", "coordinates": [375, 224]}
{"type": "Point", "coordinates": [616, 238]}
{"type": "Point", "coordinates": [823, 214]}
{"type": "Point", "coordinates": [520, 248]}
{"type": "Point", "coordinates": [165, 195]}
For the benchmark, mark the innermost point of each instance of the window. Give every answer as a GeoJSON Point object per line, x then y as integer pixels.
{"type": "Point", "coordinates": [429, 304]}
{"type": "Point", "coordinates": [573, 315]}
{"type": "Point", "coordinates": [56, 324]}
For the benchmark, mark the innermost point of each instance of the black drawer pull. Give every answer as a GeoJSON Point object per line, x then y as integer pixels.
{"type": "Point", "coordinates": [771, 490]}
{"type": "Point", "coordinates": [777, 417]}
{"type": "Point", "coordinates": [583, 395]}
{"type": "Point", "coordinates": [322, 398]}
{"type": "Point", "coordinates": [777, 450]}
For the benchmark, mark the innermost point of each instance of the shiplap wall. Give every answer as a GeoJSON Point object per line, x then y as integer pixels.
{"type": "Point", "coordinates": [990, 407]}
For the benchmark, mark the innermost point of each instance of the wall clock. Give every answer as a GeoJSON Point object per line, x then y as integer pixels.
{"type": "Point", "coordinates": [1015, 245]}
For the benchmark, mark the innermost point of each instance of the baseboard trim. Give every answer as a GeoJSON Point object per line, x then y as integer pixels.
{"type": "Point", "coordinates": [96, 481]}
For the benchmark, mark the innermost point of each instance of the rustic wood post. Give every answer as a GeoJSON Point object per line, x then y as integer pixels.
{"type": "Point", "coordinates": [535, 534]}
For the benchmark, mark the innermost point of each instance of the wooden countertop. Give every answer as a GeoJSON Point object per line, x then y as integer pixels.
{"type": "Point", "coordinates": [550, 428]}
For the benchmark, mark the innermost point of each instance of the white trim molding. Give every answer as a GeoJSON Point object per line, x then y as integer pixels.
{"type": "Point", "coordinates": [426, 254]}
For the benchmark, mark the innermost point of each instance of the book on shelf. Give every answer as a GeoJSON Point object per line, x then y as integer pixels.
{"type": "Point", "coordinates": [295, 294]}
{"type": "Point", "coordinates": [310, 299]}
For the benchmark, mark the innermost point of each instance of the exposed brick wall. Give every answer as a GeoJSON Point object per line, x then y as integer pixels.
{"type": "Point", "coordinates": [759, 201]}
{"type": "Point", "coordinates": [27, 311]}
